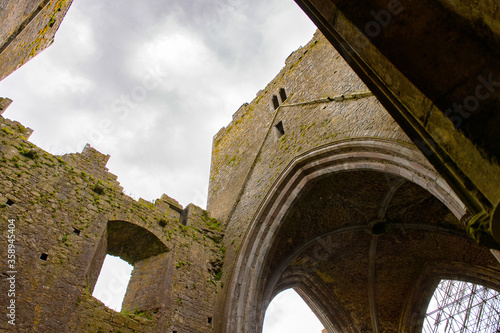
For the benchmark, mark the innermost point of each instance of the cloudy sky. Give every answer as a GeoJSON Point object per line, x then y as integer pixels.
{"type": "Point", "coordinates": [150, 83]}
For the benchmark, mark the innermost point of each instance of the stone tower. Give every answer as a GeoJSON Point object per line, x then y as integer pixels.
{"type": "Point", "coordinates": [318, 189]}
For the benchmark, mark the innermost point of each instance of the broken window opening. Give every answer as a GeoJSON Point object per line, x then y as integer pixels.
{"type": "Point", "coordinates": [112, 282]}
{"type": "Point", "coordinates": [140, 254]}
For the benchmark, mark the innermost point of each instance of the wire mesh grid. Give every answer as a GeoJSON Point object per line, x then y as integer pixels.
{"type": "Point", "coordinates": [464, 307]}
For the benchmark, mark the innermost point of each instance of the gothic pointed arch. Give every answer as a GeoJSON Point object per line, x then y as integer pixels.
{"type": "Point", "coordinates": [357, 203]}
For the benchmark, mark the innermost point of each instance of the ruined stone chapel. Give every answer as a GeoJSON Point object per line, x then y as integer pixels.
{"type": "Point", "coordinates": [362, 175]}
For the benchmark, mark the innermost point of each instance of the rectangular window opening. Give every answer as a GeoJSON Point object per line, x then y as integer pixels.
{"type": "Point", "coordinates": [76, 231]}
{"type": "Point", "coordinates": [112, 283]}
{"type": "Point", "coordinates": [283, 95]}
{"type": "Point", "coordinates": [279, 127]}
{"type": "Point", "coordinates": [276, 103]}
{"type": "Point", "coordinates": [9, 202]}
{"type": "Point", "coordinates": [44, 256]}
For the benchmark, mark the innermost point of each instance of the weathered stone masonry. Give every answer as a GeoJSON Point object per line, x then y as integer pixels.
{"type": "Point", "coordinates": [69, 213]}
{"type": "Point", "coordinates": [309, 162]}
{"type": "Point", "coordinates": [313, 186]}
{"type": "Point", "coordinates": [28, 27]}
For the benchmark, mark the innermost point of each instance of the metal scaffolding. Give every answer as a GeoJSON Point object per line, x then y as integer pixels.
{"type": "Point", "coordinates": [459, 306]}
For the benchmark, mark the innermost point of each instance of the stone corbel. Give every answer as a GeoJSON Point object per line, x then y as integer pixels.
{"type": "Point", "coordinates": [484, 228]}
{"type": "Point", "coordinates": [495, 223]}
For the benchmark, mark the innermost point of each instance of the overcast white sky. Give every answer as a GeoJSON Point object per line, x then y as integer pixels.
{"type": "Point", "coordinates": [150, 83]}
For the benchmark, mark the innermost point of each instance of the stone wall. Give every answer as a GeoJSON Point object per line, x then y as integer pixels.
{"type": "Point", "coordinates": [68, 213]}
{"type": "Point", "coordinates": [278, 145]}
{"type": "Point", "coordinates": [28, 27]}
{"type": "Point", "coordinates": [325, 103]}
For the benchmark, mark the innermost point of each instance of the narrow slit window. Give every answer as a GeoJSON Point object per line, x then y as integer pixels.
{"type": "Point", "coordinates": [280, 129]}
{"type": "Point", "coordinates": [283, 95]}
{"type": "Point", "coordinates": [276, 103]}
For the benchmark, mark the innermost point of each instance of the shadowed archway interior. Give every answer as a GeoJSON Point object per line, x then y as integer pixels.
{"type": "Point", "coordinates": [354, 245]}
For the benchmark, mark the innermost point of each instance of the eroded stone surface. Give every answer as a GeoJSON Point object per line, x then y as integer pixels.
{"type": "Point", "coordinates": [59, 215]}
{"type": "Point", "coordinates": [313, 186]}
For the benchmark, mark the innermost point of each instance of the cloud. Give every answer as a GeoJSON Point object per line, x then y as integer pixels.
{"type": "Point", "coordinates": [94, 84]}
{"type": "Point", "coordinates": [151, 82]}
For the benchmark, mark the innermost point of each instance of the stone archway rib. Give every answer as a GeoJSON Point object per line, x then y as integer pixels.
{"type": "Point", "coordinates": [334, 317]}
{"type": "Point", "coordinates": [244, 303]}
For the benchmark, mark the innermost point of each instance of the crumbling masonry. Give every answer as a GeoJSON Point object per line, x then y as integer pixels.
{"type": "Point", "coordinates": [313, 186]}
